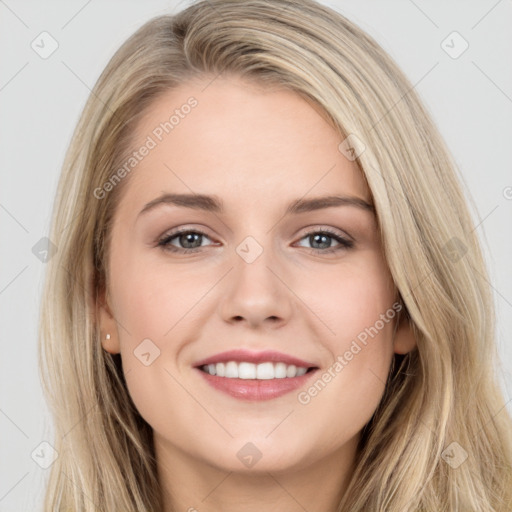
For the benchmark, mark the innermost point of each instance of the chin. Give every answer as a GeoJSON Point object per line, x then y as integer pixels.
{"type": "Point", "coordinates": [258, 455]}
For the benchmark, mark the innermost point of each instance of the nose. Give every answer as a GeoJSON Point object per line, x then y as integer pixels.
{"type": "Point", "coordinates": [256, 293]}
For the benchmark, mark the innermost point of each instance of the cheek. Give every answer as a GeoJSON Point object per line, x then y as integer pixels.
{"type": "Point", "coordinates": [352, 298]}
{"type": "Point", "coordinates": [153, 300]}
{"type": "Point", "coordinates": [357, 307]}
{"type": "Point", "coordinates": [344, 395]}
{"type": "Point", "coordinates": [155, 306]}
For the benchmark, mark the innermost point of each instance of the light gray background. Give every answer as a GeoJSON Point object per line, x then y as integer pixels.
{"type": "Point", "coordinates": [469, 97]}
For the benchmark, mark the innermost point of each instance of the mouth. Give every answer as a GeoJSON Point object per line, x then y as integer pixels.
{"type": "Point", "coordinates": [263, 371]}
{"type": "Point", "coordinates": [255, 376]}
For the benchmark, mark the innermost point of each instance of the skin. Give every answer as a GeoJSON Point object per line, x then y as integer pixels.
{"type": "Point", "coordinates": [258, 151]}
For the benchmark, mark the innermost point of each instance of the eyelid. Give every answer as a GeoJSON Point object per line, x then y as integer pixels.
{"type": "Point", "coordinates": [181, 230]}
{"type": "Point", "coordinates": [313, 228]}
{"type": "Point", "coordinates": [344, 240]}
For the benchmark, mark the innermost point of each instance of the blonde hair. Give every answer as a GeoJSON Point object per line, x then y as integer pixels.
{"type": "Point", "coordinates": [443, 392]}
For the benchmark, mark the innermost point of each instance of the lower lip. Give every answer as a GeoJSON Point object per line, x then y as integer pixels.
{"type": "Point", "coordinates": [256, 389]}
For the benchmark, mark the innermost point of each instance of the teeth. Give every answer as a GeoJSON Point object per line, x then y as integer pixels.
{"type": "Point", "coordinates": [231, 370]}
{"type": "Point", "coordinates": [280, 370]}
{"type": "Point", "coordinates": [291, 370]}
{"type": "Point", "coordinates": [246, 371]}
{"type": "Point", "coordinates": [262, 371]}
{"type": "Point", "coordinates": [265, 371]}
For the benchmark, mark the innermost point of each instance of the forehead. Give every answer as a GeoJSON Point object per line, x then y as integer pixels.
{"type": "Point", "coordinates": [236, 140]}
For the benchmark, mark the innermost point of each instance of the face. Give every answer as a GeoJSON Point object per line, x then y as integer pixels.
{"type": "Point", "coordinates": [284, 298]}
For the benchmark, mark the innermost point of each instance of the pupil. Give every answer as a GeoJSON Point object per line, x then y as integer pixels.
{"type": "Point", "coordinates": [189, 237]}
{"type": "Point", "coordinates": [319, 238]}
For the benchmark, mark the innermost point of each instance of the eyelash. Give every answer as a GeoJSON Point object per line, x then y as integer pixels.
{"type": "Point", "coordinates": [165, 241]}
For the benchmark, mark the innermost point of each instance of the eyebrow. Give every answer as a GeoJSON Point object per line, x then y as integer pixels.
{"type": "Point", "coordinates": [215, 205]}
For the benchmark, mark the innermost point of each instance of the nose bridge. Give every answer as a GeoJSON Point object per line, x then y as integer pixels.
{"type": "Point", "coordinates": [253, 262]}
{"type": "Point", "coordinates": [255, 292]}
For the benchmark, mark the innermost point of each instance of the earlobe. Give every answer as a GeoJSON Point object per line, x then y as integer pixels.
{"type": "Point", "coordinates": [108, 328]}
{"type": "Point", "coordinates": [404, 340]}
{"type": "Point", "coordinates": [110, 343]}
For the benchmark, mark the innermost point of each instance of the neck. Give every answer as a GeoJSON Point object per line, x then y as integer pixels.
{"type": "Point", "coordinates": [192, 485]}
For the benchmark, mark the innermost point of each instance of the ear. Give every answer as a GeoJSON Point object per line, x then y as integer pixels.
{"type": "Point", "coordinates": [404, 340]}
{"type": "Point", "coordinates": [107, 325]}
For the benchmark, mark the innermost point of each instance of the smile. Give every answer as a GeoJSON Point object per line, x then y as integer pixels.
{"type": "Point", "coordinates": [255, 376]}
{"type": "Point", "coordinates": [262, 371]}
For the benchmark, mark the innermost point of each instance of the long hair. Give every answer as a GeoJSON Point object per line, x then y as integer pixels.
{"type": "Point", "coordinates": [440, 439]}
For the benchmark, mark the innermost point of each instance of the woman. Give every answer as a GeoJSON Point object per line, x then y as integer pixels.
{"type": "Point", "coordinates": [268, 293]}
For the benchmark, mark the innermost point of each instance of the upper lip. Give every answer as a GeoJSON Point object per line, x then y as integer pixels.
{"type": "Point", "coordinates": [241, 355]}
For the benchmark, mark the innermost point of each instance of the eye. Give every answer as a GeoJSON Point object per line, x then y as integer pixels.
{"type": "Point", "coordinates": [189, 239]}
{"type": "Point", "coordinates": [322, 239]}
